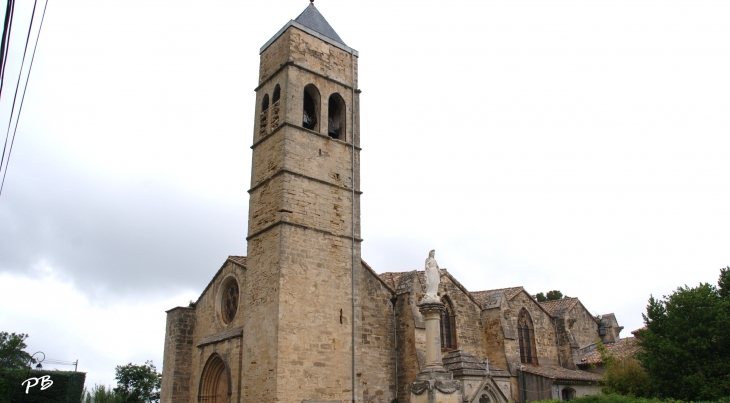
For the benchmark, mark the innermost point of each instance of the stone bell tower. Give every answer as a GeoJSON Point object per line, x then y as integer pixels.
{"type": "Point", "coordinates": [304, 219]}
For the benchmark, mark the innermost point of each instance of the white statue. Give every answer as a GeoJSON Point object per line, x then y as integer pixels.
{"type": "Point", "coordinates": [433, 278]}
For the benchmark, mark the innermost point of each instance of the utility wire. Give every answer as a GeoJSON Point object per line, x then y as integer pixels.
{"type": "Point", "coordinates": [4, 46]}
{"type": "Point", "coordinates": [17, 85]}
{"type": "Point", "coordinates": [7, 27]}
{"type": "Point", "coordinates": [17, 119]}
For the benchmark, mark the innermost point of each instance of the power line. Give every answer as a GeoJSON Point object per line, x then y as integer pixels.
{"type": "Point", "coordinates": [20, 109]}
{"type": "Point", "coordinates": [17, 85]}
{"type": "Point", "coordinates": [7, 28]}
{"type": "Point", "coordinates": [4, 46]}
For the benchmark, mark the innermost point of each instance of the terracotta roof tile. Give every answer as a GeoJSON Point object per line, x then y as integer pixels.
{"type": "Point", "coordinates": [565, 304]}
{"type": "Point", "coordinates": [509, 293]}
{"type": "Point", "coordinates": [393, 278]}
{"type": "Point", "coordinates": [621, 349]}
{"type": "Point", "coordinates": [556, 372]}
{"type": "Point", "coordinates": [635, 332]}
{"type": "Point", "coordinates": [479, 296]}
{"type": "Point", "coordinates": [241, 260]}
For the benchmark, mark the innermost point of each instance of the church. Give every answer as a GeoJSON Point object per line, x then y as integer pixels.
{"type": "Point", "coordinates": [302, 318]}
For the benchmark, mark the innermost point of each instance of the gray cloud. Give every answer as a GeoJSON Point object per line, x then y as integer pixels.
{"type": "Point", "coordinates": [107, 235]}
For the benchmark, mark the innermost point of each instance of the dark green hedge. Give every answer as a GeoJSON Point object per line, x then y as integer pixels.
{"type": "Point", "coordinates": [67, 387]}
{"type": "Point", "coordinates": [628, 399]}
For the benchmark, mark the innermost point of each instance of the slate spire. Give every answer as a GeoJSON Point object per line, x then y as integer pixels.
{"type": "Point", "coordinates": [313, 19]}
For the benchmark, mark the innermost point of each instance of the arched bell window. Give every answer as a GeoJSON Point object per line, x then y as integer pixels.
{"type": "Point", "coordinates": [448, 325]}
{"type": "Point", "coordinates": [264, 116]}
{"type": "Point", "coordinates": [310, 109]}
{"type": "Point", "coordinates": [526, 334]}
{"type": "Point", "coordinates": [214, 383]}
{"type": "Point", "coordinates": [277, 94]}
{"type": "Point", "coordinates": [336, 117]}
{"type": "Point", "coordinates": [275, 107]}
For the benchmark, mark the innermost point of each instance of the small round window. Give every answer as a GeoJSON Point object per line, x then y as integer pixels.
{"type": "Point", "coordinates": [229, 303]}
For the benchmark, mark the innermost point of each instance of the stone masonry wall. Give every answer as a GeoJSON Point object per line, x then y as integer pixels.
{"type": "Point", "coordinates": [322, 158]}
{"type": "Point", "coordinates": [547, 352]}
{"type": "Point", "coordinates": [565, 344]}
{"type": "Point", "coordinates": [315, 317]}
{"type": "Point", "coordinates": [582, 326]}
{"type": "Point", "coordinates": [494, 340]}
{"type": "Point", "coordinates": [468, 318]}
{"type": "Point", "coordinates": [230, 350]}
{"type": "Point", "coordinates": [377, 367]}
{"type": "Point", "coordinates": [209, 322]}
{"type": "Point", "coordinates": [321, 57]}
{"type": "Point", "coordinates": [261, 318]}
{"type": "Point", "coordinates": [408, 366]}
{"type": "Point", "coordinates": [177, 359]}
{"type": "Point", "coordinates": [276, 55]}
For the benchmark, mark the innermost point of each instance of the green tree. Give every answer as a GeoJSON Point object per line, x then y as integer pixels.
{"type": "Point", "coordinates": [14, 362]}
{"type": "Point", "coordinates": [551, 296]}
{"type": "Point", "coordinates": [686, 346]}
{"type": "Point", "coordinates": [554, 295]}
{"type": "Point", "coordinates": [724, 283]}
{"type": "Point", "coordinates": [138, 383]}
{"type": "Point", "coordinates": [623, 376]}
{"type": "Point", "coordinates": [12, 354]}
{"type": "Point", "coordinates": [101, 394]}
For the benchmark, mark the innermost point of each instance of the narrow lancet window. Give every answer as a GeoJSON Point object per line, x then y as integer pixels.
{"type": "Point", "coordinates": [526, 334]}
{"type": "Point", "coordinates": [311, 108]}
{"type": "Point", "coordinates": [336, 117]}
{"type": "Point", "coordinates": [448, 325]}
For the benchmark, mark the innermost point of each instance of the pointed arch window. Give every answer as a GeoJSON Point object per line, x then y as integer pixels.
{"type": "Point", "coordinates": [336, 117]}
{"type": "Point", "coordinates": [310, 109]}
{"type": "Point", "coordinates": [448, 325]}
{"type": "Point", "coordinates": [526, 334]}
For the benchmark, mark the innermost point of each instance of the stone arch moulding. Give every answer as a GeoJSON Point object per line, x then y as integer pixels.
{"type": "Point", "coordinates": [228, 300]}
{"type": "Point", "coordinates": [311, 107]}
{"type": "Point", "coordinates": [489, 389]}
{"type": "Point", "coordinates": [336, 117]}
{"type": "Point", "coordinates": [215, 381]}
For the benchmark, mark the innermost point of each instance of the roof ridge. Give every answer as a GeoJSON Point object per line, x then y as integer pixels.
{"type": "Point", "coordinates": [314, 20]}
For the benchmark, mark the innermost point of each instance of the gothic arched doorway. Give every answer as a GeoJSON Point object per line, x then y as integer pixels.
{"type": "Point", "coordinates": [214, 384]}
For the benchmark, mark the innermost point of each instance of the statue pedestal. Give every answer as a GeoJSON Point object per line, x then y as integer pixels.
{"type": "Point", "coordinates": [434, 383]}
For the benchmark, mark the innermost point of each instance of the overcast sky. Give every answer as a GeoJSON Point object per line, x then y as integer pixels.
{"type": "Point", "coordinates": [571, 145]}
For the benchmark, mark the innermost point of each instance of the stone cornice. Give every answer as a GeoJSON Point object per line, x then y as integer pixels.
{"type": "Point", "coordinates": [234, 333]}
{"type": "Point", "coordinates": [280, 222]}
{"type": "Point", "coordinates": [283, 171]}
{"type": "Point", "coordinates": [291, 63]}
{"type": "Point", "coordinates": [304, 129]}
